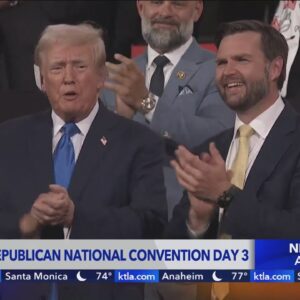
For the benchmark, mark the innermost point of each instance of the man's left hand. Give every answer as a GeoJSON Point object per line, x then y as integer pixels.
{"type": "Point", "coordinates": [204, 178]}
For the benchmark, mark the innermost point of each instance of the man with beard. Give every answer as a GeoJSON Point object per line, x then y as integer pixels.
{"type": "Point", "coordinates": [245, 184]}
{"type": "Point", "coordinates": [170, 88]}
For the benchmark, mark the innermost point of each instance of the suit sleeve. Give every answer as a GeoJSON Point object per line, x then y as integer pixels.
{"type": "Point", "coordinates": [177, 226]}
{"type": "Point", "coordinates": [272, 212]}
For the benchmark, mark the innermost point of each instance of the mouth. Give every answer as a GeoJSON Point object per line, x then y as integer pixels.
{"type": "Point", "coordinates": [164, 24]}
{"type": "Point", "coordinates": [232, 85]}
{"type": "Point", "coordinates": [70, 95]}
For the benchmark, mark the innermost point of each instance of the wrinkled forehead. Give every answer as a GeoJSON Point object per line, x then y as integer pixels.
{"type": "Point", "coordinates": [63, 52]}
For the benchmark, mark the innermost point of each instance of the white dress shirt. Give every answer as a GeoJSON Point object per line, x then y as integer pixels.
{"type": "Point", "coordinates": [77, 139]}
{"type": "Point", "coordinates": [174, 56]}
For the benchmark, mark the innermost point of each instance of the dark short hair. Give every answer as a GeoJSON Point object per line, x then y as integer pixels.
{"type": "Point", "coordinates": [273, 43]}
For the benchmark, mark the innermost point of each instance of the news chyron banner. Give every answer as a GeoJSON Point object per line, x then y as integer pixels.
{"type": "Point", "coordinates": [150, 261]}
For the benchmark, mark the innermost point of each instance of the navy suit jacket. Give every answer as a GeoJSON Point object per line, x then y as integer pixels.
{"type": "Point", "coordinates": [269, 205]}
{"type": "Point", "coordinates": [117, 188]}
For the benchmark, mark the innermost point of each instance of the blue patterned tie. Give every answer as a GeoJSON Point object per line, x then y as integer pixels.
{"type": "Point", "coordinates": [64, 162]}
{"type": "Point", "coordinates": [64, 156]}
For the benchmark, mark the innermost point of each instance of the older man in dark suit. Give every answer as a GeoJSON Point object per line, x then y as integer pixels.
{"type": "Point", "coordinates": [79, 171]}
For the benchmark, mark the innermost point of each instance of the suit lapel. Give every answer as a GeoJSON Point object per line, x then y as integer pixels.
{"type": "Point", "coordinates": [93, 150]}
{"type": "Point", "coordinates": [182, 74]}
{"type": "Point", "coordinates": [40, 151]}
{"type": "Point", "coordinates": [277, 142]}
{"type": "Point", "coordinates": [223, 142]}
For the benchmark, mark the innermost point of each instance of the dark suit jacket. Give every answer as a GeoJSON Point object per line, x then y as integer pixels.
{"type": "Point", "coordinates": [117, 188]}
{"type": "Point", "coordinates": [269, 205]}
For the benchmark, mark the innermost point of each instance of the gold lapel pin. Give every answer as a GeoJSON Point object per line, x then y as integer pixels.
{"type": "Point", "coordinates": [181, 75]}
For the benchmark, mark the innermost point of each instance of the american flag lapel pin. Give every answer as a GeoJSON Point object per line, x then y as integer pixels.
{"type": "Point", "coordinates": [103, 140]}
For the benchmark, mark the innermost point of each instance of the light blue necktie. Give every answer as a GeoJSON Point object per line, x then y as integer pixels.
{"type": "Point", "coordinates": [64, 162]}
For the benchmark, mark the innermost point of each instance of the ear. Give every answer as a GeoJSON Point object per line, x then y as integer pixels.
{"type": "Point", "coordinates": [276, 67]}
{"type": "Point", "coordinates": [140, 6]}
{"type": "Point", "coordinates": [43, 86]}
{"type": "Point", "coordinates": [198, 10]}
{"type": "Point", "coordinates": [102, 75]}
{"type": "Point", "coordinates": [38, 77]}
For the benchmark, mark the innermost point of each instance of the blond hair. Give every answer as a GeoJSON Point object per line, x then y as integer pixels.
{"type": "Point", "coordinates": [73, 35]}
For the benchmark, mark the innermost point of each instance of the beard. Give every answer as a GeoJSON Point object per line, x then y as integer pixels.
{"type": "Point", "coordinates": [255, 92]}
{"type": "Point", "coordinates": [166, 39]}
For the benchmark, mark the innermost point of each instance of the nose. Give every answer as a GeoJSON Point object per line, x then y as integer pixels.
{"type": "Point", "coordinates": [69, 76]}
{"type": "Point", "coordinates": [166, 9]}
{"type": "Point", "coordinates": [229, 68]}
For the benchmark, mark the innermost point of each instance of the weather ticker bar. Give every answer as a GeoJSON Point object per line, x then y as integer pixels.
{"type": "Point", "coordinates": [151, 276]}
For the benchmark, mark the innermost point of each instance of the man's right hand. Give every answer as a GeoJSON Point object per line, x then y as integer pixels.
{"type": "Point", "coordinates": [200, 214]}
{"type": "Point", "coordinates": [128, 82]}
{"type": "Point", "coordinates": [54, 207]}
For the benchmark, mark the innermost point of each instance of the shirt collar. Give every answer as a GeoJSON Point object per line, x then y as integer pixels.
{"type": "Point", "coordinates": [263, 123]}
{"type": "Point", "coordinates": [174, 55]}
{"type": "Point", "coordinates": [83, 125]}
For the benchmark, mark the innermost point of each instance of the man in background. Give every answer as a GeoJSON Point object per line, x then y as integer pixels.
{"type": "Point", "coordinates": [170, 88]}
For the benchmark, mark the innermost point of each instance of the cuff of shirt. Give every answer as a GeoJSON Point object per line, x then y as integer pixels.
{"type": "Point", "coordinates": [196, 234]}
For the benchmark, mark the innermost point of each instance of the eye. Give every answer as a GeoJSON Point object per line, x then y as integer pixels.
{"type": "Point", "coordinates": [242, 59]}
{"type": "Point", "coordinates": [179, 3]}
{"type": "Point", "coordinates": [81, 67]}
{"type": "Point", "coordinates": [220, 62]}
{"type": "Point", "coordinates": [56, 68]}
